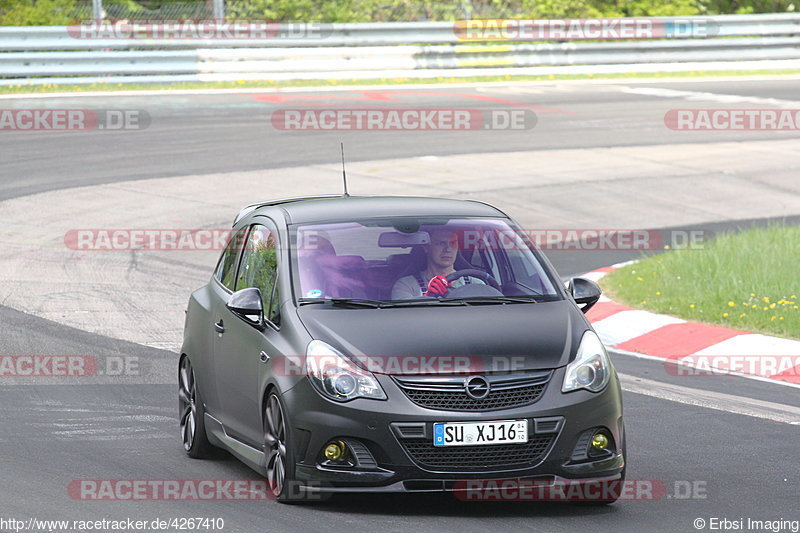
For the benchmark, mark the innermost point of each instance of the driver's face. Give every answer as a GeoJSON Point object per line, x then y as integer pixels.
{"type": "Point", "coordinates": [443, 249]}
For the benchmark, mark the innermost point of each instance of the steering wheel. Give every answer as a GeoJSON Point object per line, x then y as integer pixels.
{"type": "Point", "coordinates": [474, 273]}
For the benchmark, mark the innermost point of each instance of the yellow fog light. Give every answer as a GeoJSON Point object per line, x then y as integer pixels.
{"type": "Point", "coordinates": [599, 442]}
{"type": "Point", "coordinates": [334, 451]}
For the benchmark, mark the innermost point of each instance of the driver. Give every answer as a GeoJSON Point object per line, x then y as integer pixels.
{"type": "Point", "coordinates": [441, 254]}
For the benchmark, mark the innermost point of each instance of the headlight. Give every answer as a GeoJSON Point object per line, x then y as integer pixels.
{"type": "Point", "coordinates": [336, 377]}
{"type": "Point", "coordinates": [591, 368]}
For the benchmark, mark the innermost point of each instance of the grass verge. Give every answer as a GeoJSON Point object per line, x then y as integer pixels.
{"type": "Point", "coordinates": [267, 84]}
{"type": "Point", "coordinates": [746, 281]}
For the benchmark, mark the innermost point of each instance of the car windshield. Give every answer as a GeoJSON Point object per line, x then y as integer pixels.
{"type": "Point", "coordinates": [394, 260]}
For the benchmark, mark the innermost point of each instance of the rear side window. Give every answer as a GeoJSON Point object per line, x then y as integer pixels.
{"type": "Point", "coordinates": [259, 269]}
{"type": "Point", "coordinates": [226, 268]}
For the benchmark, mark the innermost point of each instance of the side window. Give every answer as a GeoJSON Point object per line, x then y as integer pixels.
{"type": "Point", "coordinates": [259, 269]}
{"type": "Point", "coordinates": [226, 268]}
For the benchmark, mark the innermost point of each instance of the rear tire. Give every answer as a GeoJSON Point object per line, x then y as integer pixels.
{"type": "Point", "coordinates": [191, 413]}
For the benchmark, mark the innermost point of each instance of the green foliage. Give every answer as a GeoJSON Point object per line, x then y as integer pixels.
{"type": "Point", "coordinates": [745, 281]}
{"type": "Point", "coordinates": [347, 10]}
{"type": "Point", "coordinates": [259, 269]}
{"type": "Point", "coordinates": [408, 10]}
{"type": "Point", "coordinates": [648, 8]}
{"type": "Point", "coordinates": [35, 12]}
{"type": "Point", "coordinates": [53, 12]}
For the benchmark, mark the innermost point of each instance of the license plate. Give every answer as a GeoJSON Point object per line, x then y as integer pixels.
{"type": "Point", "coordinates": [480, 433]}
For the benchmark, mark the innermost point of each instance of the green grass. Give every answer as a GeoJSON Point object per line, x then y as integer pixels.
{"type": "Point", "coordinates": [745, 281]}
{"type": "Point", "coordinates": [266, 84]}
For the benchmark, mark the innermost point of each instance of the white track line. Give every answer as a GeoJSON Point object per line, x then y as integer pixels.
{"type": "Point", "coordinates": [396, 87]}
{"type": "Point", "coordinates": [663, 361]}
{"type": "Point", "coordinates": [697, 96]}
{"type": "Point", "coordinates": [719, 401]}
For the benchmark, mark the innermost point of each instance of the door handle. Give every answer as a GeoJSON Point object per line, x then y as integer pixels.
{"type": "Point", "coordinates": [220, 327]}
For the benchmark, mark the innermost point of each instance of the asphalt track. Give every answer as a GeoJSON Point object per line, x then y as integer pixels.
{"type": "Point", "coordinates": [58, 432]}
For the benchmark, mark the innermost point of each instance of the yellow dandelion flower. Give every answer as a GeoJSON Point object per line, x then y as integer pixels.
{"type": "Point", "coordinates": [725, 315]}
{"type": "Point", "coordinates": [731, 304]}
{"type": "Point", "coordinates": [691, 306]}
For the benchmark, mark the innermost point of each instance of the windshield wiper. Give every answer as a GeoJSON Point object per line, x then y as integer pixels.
{"type": "Point", "coordinates": [496, 299]}
{"type": "Point", "coordinates": [354, 302]}
{"type": "Point", "coordinates": [420, 302]}
{"type": "Point", "coordinates": [378, 304]}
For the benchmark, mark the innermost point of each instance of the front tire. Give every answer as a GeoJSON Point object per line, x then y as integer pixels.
{"type": "Point", "coordinates": [279, 451]}
{"type": "Point", "coordinates": [191, 413]}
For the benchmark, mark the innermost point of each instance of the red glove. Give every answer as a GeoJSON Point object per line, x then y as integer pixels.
{"type": "Point", "coordinates": [438, 286]}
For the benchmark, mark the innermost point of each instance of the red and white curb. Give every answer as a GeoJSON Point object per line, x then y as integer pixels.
{"type": "Point", "coordinates": [693, 349]}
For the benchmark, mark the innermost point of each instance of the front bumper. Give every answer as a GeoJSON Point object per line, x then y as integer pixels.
{"type": "Point", "coordinates": [316, 421]}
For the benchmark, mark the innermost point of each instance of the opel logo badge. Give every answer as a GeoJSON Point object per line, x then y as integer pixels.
{"type": "Point", "coordinates": [476, 387]}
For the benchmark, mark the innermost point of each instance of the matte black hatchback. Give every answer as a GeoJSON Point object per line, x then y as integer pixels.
{"type": "Point", "coordinates": [396, 344]}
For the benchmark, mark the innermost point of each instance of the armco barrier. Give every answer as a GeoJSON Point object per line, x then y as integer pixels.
{"type": "Point", "coordinates": [34, 55]}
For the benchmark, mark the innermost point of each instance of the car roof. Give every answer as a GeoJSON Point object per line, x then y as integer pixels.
{"type": "Point", "coordinates": [304, 210]}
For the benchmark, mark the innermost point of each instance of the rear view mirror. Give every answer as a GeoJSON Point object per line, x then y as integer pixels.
{"type": "Point", "coordinates": [247, 305]}
{"type": "Point", "coordinates": [395, 239]}
{"type": "Point", "coordinates": [585, 292]}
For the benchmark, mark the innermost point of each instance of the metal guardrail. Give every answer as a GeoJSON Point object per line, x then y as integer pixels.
{"type": "Point", "coordinates": [58, 54]}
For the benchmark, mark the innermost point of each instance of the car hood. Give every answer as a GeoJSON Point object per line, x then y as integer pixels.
{"type": "Point", "coordinates": [531, 336]}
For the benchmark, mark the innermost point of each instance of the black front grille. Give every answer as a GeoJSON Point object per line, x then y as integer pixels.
{"type": "Point", "coordinates": [476, 458]}
{"type": "Point", "coordinates": [447, 393]}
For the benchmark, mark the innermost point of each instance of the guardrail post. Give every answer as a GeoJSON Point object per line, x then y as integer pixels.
{"type": "Point", "coordinates": [97, 9]}
{"type": "Point", "coordinates": [466, 7]}
{"type": "Point", "coordinates": [219, 9]}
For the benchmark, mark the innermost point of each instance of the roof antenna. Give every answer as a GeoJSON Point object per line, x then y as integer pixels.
{"type": "Point", "coordinates": [344, 173]}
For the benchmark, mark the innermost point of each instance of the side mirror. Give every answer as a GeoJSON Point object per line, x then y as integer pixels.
{"type": "Point", "coordinates": [585, 292]}
{"type": "Point", "coordinates": [247, 305]}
